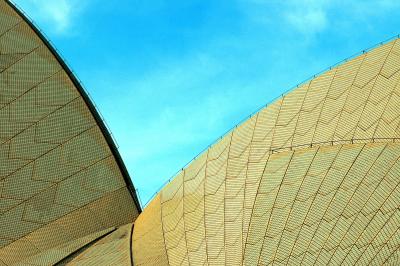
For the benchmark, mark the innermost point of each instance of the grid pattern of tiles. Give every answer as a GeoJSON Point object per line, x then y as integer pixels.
{"type": "Point", "coordinates": [59, 179]}
{"type": "Point", "coordinates": [310, 179]}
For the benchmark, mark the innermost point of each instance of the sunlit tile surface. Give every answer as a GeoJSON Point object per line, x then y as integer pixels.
{"type": "Point", "coordinates": [311, 179]}
{"type": "Point", "coordinates": [59, 179]}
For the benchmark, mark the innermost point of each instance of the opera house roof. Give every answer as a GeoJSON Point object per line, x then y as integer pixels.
{"type": "Point", "coordinates": [310, 179]}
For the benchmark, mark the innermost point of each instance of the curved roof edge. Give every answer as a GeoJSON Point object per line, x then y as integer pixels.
{"type": "Point", "coordinates": [88, 102]}
{"type": "Point", "coordinates": [337, 64]}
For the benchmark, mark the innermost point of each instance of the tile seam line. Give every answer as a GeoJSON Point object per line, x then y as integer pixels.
{"type": "Point", "coordinates": [92, 109]}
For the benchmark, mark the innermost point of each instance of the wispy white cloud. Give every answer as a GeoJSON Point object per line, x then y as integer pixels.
{"type": "Point", "coordinates": [57, 15]}
{"type": "Point", "coordinates": [310, 17]}
{"type": "Point", "coordinates": [307, 16]}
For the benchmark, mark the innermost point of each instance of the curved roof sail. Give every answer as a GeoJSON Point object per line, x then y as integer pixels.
{"type": "Point", "coordinates": [312, 178]}
{"type": "Point", "coordinates": [61, 176]}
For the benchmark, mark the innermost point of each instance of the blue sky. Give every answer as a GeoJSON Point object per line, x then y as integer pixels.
{"type": "Point", "coordinates": [170, 77]}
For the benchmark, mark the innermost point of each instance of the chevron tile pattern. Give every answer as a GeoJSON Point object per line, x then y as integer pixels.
{"type": "Point", "coordinates": [56, 167]}
{"type": "Point", "coordinates": [311, 179]}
